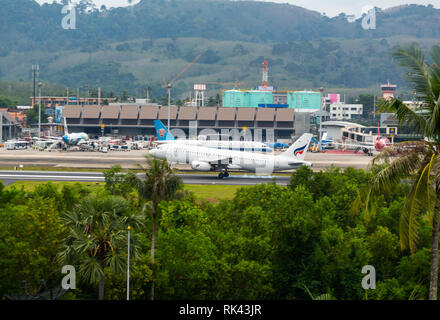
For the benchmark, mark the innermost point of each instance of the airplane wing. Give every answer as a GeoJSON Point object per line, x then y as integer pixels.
{"type": "Point", "coordinates": [51, 138]}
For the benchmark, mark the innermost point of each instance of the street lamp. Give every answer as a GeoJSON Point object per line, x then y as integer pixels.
{"type": "Point", "coordinates": [128, 265]}
{"type": "Point", "coordinates": [169, 85]}
{"type": "Point", "coordinates": [320, 117]}
{"type": "Point", "coordinates": [40, 84]}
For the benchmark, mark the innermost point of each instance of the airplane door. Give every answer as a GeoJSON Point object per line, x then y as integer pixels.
{"type": "Point", "coordinates": [180, 155]}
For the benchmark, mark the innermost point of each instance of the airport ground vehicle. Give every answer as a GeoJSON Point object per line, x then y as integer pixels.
{"type": "Point", "coordinates": [17, 145]}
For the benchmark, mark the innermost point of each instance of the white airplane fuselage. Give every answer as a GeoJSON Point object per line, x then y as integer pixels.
{"type": "Point", "coordinates": [73, 139]}
{"type": "Point", "coordinates": [205, 159]}
{"type": "Point", "coordinates": [221, 144]}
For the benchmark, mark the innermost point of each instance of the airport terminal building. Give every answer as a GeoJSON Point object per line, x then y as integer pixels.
{"type": "Point", "coordinates": [138, 120]}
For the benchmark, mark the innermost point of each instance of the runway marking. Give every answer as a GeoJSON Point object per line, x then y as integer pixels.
{"type": "Point", "coordinates": [21, 176]}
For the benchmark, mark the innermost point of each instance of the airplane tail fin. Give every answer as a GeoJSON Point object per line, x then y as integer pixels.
{"type": "Point", "coordinates": [162, 132]}
{"type": "Point", "coordinates": [299, 149]}
{"type": "Point", "coordinates": [66, 131]}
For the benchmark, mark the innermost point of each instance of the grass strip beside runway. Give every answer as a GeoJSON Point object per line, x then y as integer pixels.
{"type": "Point", "coordinates": [211, 193]}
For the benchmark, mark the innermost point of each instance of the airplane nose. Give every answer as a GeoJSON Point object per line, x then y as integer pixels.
{"type": "Point", "coordinates": [153, 152]}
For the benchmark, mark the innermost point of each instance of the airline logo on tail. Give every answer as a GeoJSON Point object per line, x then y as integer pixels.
{"type": "Point", "coordinates": [299, 150]}
{"type": "Point", "coordinates": [161, 132]}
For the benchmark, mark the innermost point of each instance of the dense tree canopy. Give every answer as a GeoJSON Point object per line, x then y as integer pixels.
{"type": "Point", "coordinates": [268, 242]}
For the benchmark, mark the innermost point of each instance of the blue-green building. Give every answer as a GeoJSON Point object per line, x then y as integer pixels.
{"type": "Point", "coordinates": [302, 101]}
{"type": "Point", "coordinates": [246, 98]}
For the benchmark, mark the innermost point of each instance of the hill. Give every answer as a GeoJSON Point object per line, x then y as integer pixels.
{"type": "Point", "coordinates": [130, 48]}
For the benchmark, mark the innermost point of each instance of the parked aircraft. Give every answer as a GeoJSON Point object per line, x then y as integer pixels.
{"type": "Point", "coordinates": [368, 148]}
{"type": "Point", "coordinates": [72, 139]}
{"type": "Point", "coordinates": [210, 159]}
{"type": "Point", "coordinates": [326, 143]}
{"type": "Point", "coordinates": [165, 137]}
{"type": "Point", "coordinates": [69, 139]}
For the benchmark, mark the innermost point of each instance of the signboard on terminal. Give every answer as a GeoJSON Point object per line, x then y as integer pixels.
{"type": "Point", "coordinates": [199, 87]}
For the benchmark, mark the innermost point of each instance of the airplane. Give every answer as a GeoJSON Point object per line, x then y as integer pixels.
{"type": "Point", "coordinates": [73, 139]}
{"type": "Point", "coordinates": [69, 139]}
{"type": "Point", "coordinates": [380, 144]}
{"type": "Point", "coordinates": [165, 137]}
{"type": "Point", "coordinates": [209, 159]}
{"type": "Point", "coordinates": [325, 142]}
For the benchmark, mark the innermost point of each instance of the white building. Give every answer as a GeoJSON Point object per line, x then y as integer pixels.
{"type": "Point", "coordinates": [342, 111]}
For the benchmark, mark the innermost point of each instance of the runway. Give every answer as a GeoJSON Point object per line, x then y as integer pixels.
{"type": "Point", "coordinates": [94, 160]}
{"type": "Point", "coordinates": [9, 177]}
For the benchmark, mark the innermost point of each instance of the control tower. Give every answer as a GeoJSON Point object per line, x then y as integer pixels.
{"type": "Point", "coordinates": [388, 90]}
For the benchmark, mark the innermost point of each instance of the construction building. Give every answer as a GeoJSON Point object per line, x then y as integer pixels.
{"type": "Point", "coordinates": [52, 102]}
{"type": "Point", "coordinates": [301, 101]}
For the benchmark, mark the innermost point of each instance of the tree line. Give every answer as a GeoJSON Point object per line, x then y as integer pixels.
{"type": "Point", "coordinates": [268, 242]}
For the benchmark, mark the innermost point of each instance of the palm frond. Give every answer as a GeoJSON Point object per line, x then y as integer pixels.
{"type": "Point", "coordinates": [413, 60]}
{"type": "Point", "coordinates": [435, 70]}
{"type": "Point", "coordinates": [391, 174]}
{"type": "Point", "coordinates": [419, 202]}
{"type": "Point", "coordinates": [401, 149]}
{"type": "Point", "coordinates": [405, 115]}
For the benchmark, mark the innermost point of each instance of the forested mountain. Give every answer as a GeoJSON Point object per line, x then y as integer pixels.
{"type": "Point", "coordinates": [128, 48]}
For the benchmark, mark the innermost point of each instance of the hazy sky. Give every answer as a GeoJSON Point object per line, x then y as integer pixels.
{"type": "Point", "coordinates": [330, 7]}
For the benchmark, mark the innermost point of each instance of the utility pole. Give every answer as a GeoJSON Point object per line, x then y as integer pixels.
{"type": "Point", "coordinates": [374, 106]}
{"type": "Point", "coordinates": [320, 117]}
{"type": "Point", "coordinates": [35, 71]}
{"type": "Point", "coordinates": [170, 84]}
{"type": "Point", "coordinates": [169, 104]}
{"type": "Point", "coordinates": [40, 84]}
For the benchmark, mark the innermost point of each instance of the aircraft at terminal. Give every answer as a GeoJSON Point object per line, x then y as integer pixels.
{"type": "Point", "coordinates": [69, 139]}
{"type": "Point", "coordinates": [165, 137]}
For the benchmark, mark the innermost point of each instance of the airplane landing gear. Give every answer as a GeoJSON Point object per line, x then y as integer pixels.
{"type": "Point", "coordinates": [223, 174]}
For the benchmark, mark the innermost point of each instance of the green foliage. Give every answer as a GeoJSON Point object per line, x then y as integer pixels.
{"type": "Point", "coordinates": [416, 161]}
{"type": "Point", "coordinates": [32, 115]}
{"type": "Point", "coordinates": [116, 183]}
{"type": "Point", "coordinates": [97, 237]}
{"type": "Point", "coordinates": [303, 241]}
{"type": "Point", "coordinates": [6, 102]}
{"type": "Point", "coordinates": [30, 237]}
{"type": "Point", "coordinates": [108, 75]}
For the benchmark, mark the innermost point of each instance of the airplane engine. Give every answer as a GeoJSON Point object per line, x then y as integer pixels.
{"type": "Point", "coordinates": [200, 166]}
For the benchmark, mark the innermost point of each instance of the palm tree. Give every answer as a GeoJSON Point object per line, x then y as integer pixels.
{"type": "Point", "coordinates": [160, 184]}
{"type": "Point", "coordinates": [418, 161]}
{"type": "Point", "coordinates": [97, 237]}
